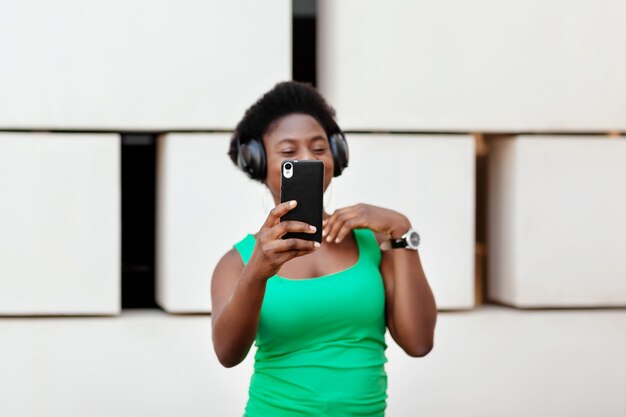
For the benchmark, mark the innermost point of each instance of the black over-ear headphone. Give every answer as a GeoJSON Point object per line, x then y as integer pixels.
{"type": "Point", "coordinates": [251, 156]}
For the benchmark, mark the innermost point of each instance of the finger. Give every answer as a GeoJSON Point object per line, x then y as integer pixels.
{"type": "Point", "coordinates": [333, 229]}
{"type": "Point", "coordinates": [294, 254]}
{"type": "Point", "coordinates": [345, 229]}
{"type": "Point", "coordinates": [292, 226]}
{"type": "Point", "coordinates": [343, 211]}
{"type": "Point", "coordinates": [293, 244]}
{"type": "Point", "coordinates": [330, 222]}
{"type": "Point", "coordinates": [326, 225]}
{"type": "Point", "coordinates": [338, 222]}
{"type": "Point", "coordinates": [340, 214]}
{"type": "Point", "coordinates": [279, 211]}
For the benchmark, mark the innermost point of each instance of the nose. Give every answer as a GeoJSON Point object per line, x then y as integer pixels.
{"type": "Point", "coordinates": [306, 154]}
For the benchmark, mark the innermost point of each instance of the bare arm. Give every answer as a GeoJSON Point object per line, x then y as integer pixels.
{"type": "Point", "coordinates": [409, 302]}
{"type": "Point", "coordinates": [237, 291]}
{"type": "Point", "coordinates": [237, 297]}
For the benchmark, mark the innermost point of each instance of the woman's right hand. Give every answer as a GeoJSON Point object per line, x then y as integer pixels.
{"type": "Point", "coordinates": [271, 251]}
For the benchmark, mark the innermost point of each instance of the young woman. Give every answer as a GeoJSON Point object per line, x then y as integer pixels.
{"type": "Point", "coordinates": [318, 313]}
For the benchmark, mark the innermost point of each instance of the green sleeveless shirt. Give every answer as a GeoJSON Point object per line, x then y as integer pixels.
{"type": "Point", "coordinates": [321, 341]}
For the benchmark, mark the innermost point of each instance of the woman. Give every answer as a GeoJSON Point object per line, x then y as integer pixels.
{"type": "Point", "coordinates": [318, 312]}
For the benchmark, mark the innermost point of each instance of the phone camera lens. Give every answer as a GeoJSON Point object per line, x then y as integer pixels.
{"type": "Point", "coordinates": [288, 166]}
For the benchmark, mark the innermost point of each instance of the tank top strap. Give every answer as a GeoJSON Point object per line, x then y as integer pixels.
{"type": "Point", "coordinates": [368, 245]}
{"type": "Point", "coordinates": [245, 247]}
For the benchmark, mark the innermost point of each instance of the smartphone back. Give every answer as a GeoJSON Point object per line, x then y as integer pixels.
{"type": "Point", "coordinates": [304, 182]}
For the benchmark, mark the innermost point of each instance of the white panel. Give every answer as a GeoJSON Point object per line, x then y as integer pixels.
{"type": "Point", "coordinates": [205, 205]}
{"type": "Point", "coordinates": [430, 179]}
{"type": "Point", "coordinates": [139, 64]}
{"type": "Point", "coordinates": [59, 223]}
{"type": "Point", "coordinates": [142, 363]}
{"type": "Point", "coordinates": [557, 226]}
{"type": "Point", "coordinates": [474, 65]}
{"type": "Point", "coordinates": [489, 362]}
{"type": "Point", "coordinates": [498, 362]}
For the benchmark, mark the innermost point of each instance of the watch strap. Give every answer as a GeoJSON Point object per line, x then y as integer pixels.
{"type": "Point", "coordinates": [394, 243]}
{"type": "Point", "coordinates": [398, 243]}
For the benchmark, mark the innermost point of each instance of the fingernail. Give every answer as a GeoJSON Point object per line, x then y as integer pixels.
{"type": "Point", "coordinates": [312, 227]}
{"type": "Point", "coordinates": [328, 239]}
{"type": "Point", "coordinates": [316, 244]}
{"type": "Point", "coordinates": [292, 203]}
{"type": "Point", "coordinates": [337, 240]}
{"type": "Point", "coordinates": [324, 232]}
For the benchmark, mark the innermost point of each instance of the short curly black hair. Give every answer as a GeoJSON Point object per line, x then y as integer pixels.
{"type": "Point", "coordinates": [288, 97]}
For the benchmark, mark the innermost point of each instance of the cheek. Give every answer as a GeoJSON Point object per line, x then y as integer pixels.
{"type": "Point", "coordinates": [273, 178]}
{"type": "Point", "coordinates": [329, 168]}
{"type": "Point", "coordinates": [273, 168]}
{"type": "Point", "coordinates": [328, 173]}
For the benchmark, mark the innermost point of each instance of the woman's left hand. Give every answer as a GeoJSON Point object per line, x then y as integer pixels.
{"type": "Point", "coordinates": [379, 219]}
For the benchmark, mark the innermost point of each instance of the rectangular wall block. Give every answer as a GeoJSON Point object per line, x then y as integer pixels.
{"type": "Point", "coordinates": [557, 221]}
{"type": "Point", "coordinates": [205, 205]}
{"type": "Point", "coordinates": [59, 223]}
{"type": "Point", "coordinates": [488, 362]}
{"type": "Point", "coordinates": [141, 64]}
{"type": "Point", "coordinates": [431, 180]}
{"type": "Point", "coordinates": [483, 65]}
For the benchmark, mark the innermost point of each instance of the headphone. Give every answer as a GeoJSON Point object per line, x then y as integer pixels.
{"type": "Point", "coordinates": [252, 160]}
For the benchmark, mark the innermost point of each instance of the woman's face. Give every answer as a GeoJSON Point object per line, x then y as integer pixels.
{"type": "Point", "coordinates": [295, 136]}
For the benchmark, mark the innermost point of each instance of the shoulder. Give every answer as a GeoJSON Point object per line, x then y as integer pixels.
{"type": "Point", "coordinates": [230, 262]}
{"type": "Point", "coordinates": [235, 259]}
{"type": "Point", "coordinates": [245, 247]}
{"type": "Point", "coordinates": [369, 244]}
{"type": "Point", "coordinates": [225, 277]}
{"type": "Point", "coordinates": [371, 235]}
{"type": "Point", "coordinates": [232, 257]}
{"type": "Point", "coordinates": [380, 237]}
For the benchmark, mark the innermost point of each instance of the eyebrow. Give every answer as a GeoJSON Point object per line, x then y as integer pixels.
{"type": "Point", "coordinates": [314, 138]}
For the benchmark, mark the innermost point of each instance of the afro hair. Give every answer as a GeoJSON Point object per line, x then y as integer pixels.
{"type": "Point", "coordinates": [288, 97]}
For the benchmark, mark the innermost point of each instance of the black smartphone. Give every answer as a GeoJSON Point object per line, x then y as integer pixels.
{"type": "Point", "coordinates": [303, 181]}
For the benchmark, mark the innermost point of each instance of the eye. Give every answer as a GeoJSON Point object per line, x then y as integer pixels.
{"type": "Point", "coordinates": [319, 149]}
{"type": "Point", "coordinates": [287, 152]}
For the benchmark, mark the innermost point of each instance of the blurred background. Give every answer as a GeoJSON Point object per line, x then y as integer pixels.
{"type": "Point", "coordinates": [497, 127]}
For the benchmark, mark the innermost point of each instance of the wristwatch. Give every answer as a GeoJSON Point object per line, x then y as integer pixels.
{"type": "Point", "coordinates": [409, 240]}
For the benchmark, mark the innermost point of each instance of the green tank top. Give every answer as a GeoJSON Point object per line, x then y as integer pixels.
{"type": "Point", "coordinates": [321, 341]}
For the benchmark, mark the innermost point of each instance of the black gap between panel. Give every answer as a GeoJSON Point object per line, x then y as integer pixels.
{"type": "Point", "coordinates": [138, 220]}
{"type": "Point", "coordinates": [304, 43]}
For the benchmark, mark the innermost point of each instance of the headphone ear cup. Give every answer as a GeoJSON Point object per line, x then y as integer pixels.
{"type": "Point", "coordinates": [241, 160]}
{"type": "Point", "coordinates": [339, 149]}
{"type": "Point", "coordinates": [251, 158]}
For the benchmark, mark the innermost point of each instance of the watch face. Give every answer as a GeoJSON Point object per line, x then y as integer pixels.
{"type": "Point", "coordinates": [414, 239]}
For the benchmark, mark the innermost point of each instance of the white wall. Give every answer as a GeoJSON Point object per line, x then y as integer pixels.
{"type": "Point", "coordinates": [489, 362]}
{"type": "Point", "coordinates": [138, 64]}
{"type": "Point", "coordinates": [204, 206]}
{"type": "Point", "coordinates": [557, 223]}
{"type": "Point", "coordinates": [59, 223]}
{"type": "Point", "coordinates": [501, 362]}
{"type": "Point", "coordinates": [474, 65]}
